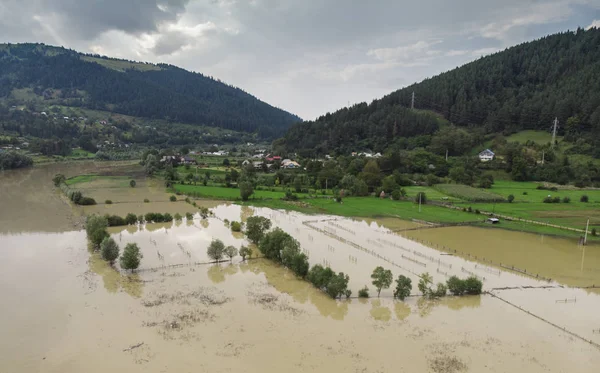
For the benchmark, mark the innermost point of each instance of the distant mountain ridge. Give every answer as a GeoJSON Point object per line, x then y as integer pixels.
{"type": "Point", "coordinates": [156, 91]}
{"type": "Point", "coordinates": [524, 87]}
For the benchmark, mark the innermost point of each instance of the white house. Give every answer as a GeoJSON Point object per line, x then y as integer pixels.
{"type": "Point", "coordinates": [486, 155]}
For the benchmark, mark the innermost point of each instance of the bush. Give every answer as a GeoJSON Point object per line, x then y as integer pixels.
{"type": "Point", "coordinates": [132, 183]}
{"type": "Point", "coordinates": [319, 276]}
{"type": "Point", "coordinates": [511, 198]}
{"type": "Point", "coordinates": [58, 179]}
{"type": "Point", "coordinates": [524, 193]}
{"type": "Point", "coordinates": [236, 226]}
{"type": "Point", "coordinates": [289, 196]}
{"type": "Point", "coordinates": [146, 200]}
{"type": "Point", "coordinates": [363, 293]}
{"type": "Point", "coordinates": [167, 218]}
{"type": "Point", "coordinates": [173, 198]}
{"type": "Point", "coordinates": [204, 212]}
{"type": "Point", "coordinates": [131, 257]}
{"type": "Point", "coordinates": [584, 198]}
{"type": "Point", "coordinates": [566, 200]}
{"type": "Point", "coordinates": [131, 219]}
{"type": "Point", "coordinates": [108, 202]}
{"type": "Point", "coordinates": [473, 286]}
{"type": "Point", "coordinates": [477, 211]}
{"type": "Point", "coordinates": [86, 201]}
{"type": "Point", "coordinates": [556, 200]}
{"type": "Point", "coordinates": [178, 217]}
{"type": "Point", "coordinates": [398, 194]}
{"type": "Point", "coordinates": [115, 220]}
{"type": "Point", "coordinates": [189, 216]}
{"type": "Point", "coordinates": [140, 219]}
{"type": "Point", "coordinates": [109, 250]}
{"type": "Point", "coordinates": [594, 232]}
{"type": "Point", "coordinates": [456, 285]}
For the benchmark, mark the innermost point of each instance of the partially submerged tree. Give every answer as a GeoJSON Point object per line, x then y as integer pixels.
{"type": "Point", "coordinates": [256, 226]}
{"type": "Point", "coordinates": [403, 287]}
{"type": "Point", "coordinates": [245, 252]}
{"type": "Point", "coordinates": [58, 179]}
{"type": "Point", "coordinates": [131, 257]}
{"type": "Point", "coordinates": [204, 212]}
{"type": "Point", "coordinates": [231, 251]}
{"type": "Point", "coordinates": [95, 227]}
{"type": "Point", "coordinates": [216, 250]}
{"type": "Point", "coordinates": [382, 279]}
{"type": "Point", "coordinates": [246, 190]}
{"type": "Point", "coordinates": [109, 250]}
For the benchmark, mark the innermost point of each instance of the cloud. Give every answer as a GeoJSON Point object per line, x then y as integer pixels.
{"type": "Point", "coordinates": [595, 23]}
{"type": "Point", "coordinates": [309, 56]}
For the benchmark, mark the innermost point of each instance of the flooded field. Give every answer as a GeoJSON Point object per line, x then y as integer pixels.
{"type": "Point", "coordinates": [557, 258]}
{"type": "Point", "coordinates": [66, 310]}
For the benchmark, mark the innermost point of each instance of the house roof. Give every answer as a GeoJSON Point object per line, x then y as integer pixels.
{"type": "Point", "coordinates": [487, 151]}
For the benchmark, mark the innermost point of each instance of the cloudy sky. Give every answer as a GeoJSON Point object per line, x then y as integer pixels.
{"type": "Point", "coordinates": [306, 56]}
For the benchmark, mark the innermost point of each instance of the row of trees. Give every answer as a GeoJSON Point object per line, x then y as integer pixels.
{"type": "Point", "coordinates": [12, 159]}
{"type": "Point", "coordinates": [99, 238]}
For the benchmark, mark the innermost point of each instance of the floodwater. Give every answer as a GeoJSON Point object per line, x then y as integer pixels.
{"type": "Point", "coordinates": [557, 258]}
{"type": "Point", "coordinates": [65, 310]}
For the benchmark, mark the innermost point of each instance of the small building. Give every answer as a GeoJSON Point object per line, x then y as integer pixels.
{"type": "Point", "coordinates": [245, 163]}
{"type": "Point", "coordinates": [486, 155]}
{"type": "Point", "coordinates": [188, 160]}
{"type": "Point", "coordinates": [493, 220]}
{"type": "Point", "coordinates": [257, 165]}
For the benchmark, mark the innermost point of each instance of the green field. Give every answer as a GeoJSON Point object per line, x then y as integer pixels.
{"type": "Point", "coordinates": [121, 65]}
{"type": "Point", "coordinates": [539, 137]}
{"type": "Point", "coordinates": [468, 193]}
{"type": "Point", "coordinates": [121, 181]}
{"type": "Point", "coordinates": [220, 192]}
{"type": "Point", "coordinates": [518, 190]}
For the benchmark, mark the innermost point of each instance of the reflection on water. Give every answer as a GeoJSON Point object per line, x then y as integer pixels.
{"type": "Point", "coordinates": [113, 280]}
{"type": "Point", "coordinates": [402, 310]}
{"type": "Point", "coordinates": [380, 313]}
{"type": "Point", "coordinates": [217, 272]}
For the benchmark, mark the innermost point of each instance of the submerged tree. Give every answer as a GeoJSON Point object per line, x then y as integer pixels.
{"type": "Point", "coordinates": [245, 252]}
{"type": "Point", "coordinates": [95, 227]}
{"type": "Point", "coordinates": [131, 257]}
{"type": "Point", "coordinates": [256, 226]}
{"type": "Point", "coordinates": [109, 250]}
{"type": "Point", "coordinates": [403, 287]}
{"type": "Point", "coordinates": [382, 279]}
{"type": "Point", "coordinates": [216, 250]}
{"type": "Point", "coordinates": [231, 251]}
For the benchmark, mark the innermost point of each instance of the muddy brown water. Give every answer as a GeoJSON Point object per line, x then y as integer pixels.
{"type": "Point", "coordinates": [65, 310]}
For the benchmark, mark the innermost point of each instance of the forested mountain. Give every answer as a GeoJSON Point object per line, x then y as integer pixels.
{"type": "Point", "coordinates": [135, 89]}
{"type": "Point", "coordinates": [523, 87]}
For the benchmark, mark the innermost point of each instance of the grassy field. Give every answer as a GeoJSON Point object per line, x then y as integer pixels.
{"type": "Point", "coordinates": [468, 193]}
{"type": "Point", "coordinates": [121, 65]}
{"type": "Point", "coordinates": [528, 192]}
{"type": "Point", "coordinates": [220, 192]}
{"type": "Point", "coordinates": [540, 137]}
{"type": "Point", "coordinates": [431, 193]}
{"type": "Point", "coordinates": [115, 181]}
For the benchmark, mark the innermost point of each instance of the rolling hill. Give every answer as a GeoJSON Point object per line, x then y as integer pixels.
{"type": "Point", "coordinates": [521, 88]}
{"type": "Point", "coordinates": [36, 73]}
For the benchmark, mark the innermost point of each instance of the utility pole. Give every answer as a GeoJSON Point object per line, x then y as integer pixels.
{"type": "Point", "coordinates": [586, 231]}
{"type": "Point", "coordinates": [543, 157]}
{"type": "Point", "coordinates": [554, 132]}
{"type": "Point", "coordinates": [412, 101]}
{"type": "Point", "coordinates": [420, 202]}
{"type": "Point", "coordinates": [446, 155]}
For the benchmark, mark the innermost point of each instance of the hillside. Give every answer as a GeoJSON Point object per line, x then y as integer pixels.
{"type": "Point", "coordinates": [522, 88]}
{"type": "Point", "coordinates": [53, 75]}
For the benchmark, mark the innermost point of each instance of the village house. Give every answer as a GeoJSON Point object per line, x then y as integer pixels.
{"type": "Point", "coordinates": [257, 165]}
{"type": "Point", "coordinates": [188, 160]}
{"type": "Point", "coordinates": [486, 155]}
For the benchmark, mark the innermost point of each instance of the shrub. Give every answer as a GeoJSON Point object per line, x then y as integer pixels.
{"type": "Point", "coordinates": [108, 202]}
{"type": "Point", "coordinates": [524, 193]}
{"type": "Point", "coordinates": [140, 219]}
{"type": "Point", "coordinates": [131, 257]}
{"type": "Point", "coordinates": [566, 200]}
{"type": "Point", "coordinates": [132, 183]}
{"type": "Point", "coordinates": [337, 285]}
{"type": "Point", "coordinates": [456, 285]}
{"type": "Point", "coordinates": [115, 220]}
{"type": "Point", "coordinates": [216, 250]}
{"type": "Point", "coordinates": [178, 217]}
{"type": "Point", "coordinates": [469, 209]}
{"type": "Point", "coordinates": [189, 216]}
{"type": "Point", "coordinates": [289, 196]}
{"type": "Point", "coordinates": [439, 292]}
{"type": "Point", "coordinates": [363, 293]}
{"type": "Point", "coordinates": [319, 276]}
{"type": "Point", "coordinates": [236, 226]}
{"type": "Point", "coordinates": [511, 198]}
{"type": "Point", "coordinates": [473, 286]}
{"type": "Point", "coordinates": [556, 200]}
{"type": "Point", "coordinates": [146, 200]}
{"type": "Point", "coordinates": [131, 219]}
{"type": "Point", "coordinates": [594, 232]}
{"type": "Point", "coordinates": [204, 212]}
{"type": "Point", "coordinates": [398, 194]}
{"type": "Point", "coordinates": [173, 198]}
{"type": "Point", "coordinates": [86, 201]}
{"type": "Point", "coordinates": [167, 218]}
{"type": "Point", "coordinates": [584, 198]}
{"type": "Point", "coordinates": [109, 250]}
{"type": "Point", "coordinates": [58, 179]}
{"type": "Point", "coordinates": [477, 211]}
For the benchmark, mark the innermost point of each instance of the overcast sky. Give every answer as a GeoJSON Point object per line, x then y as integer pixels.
{"type": "Point", "coordinates": [305, 56]}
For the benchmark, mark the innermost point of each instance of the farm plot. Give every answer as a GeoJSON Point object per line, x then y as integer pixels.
{"type": "Point", "coordinates": [468, 193]}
